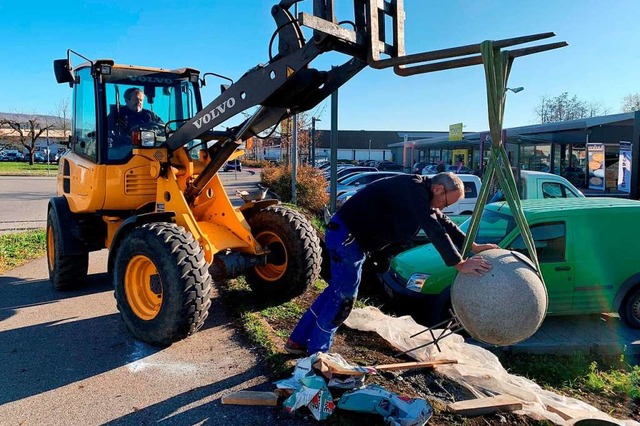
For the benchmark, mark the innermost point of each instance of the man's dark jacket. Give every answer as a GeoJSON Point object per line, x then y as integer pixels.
{"type": "Point", "coordinates": [128, 119]}
{"type": "Point", "coordinates": [392, 210]}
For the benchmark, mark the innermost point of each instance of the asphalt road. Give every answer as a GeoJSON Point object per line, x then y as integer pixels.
{"type": "Point", "coordinates": [67, 358]}
{"type": "Point", "coordinates": [24, 198]}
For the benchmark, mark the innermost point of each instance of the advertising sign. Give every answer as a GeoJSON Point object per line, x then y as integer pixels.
{"type": "Point", "coordinates": [596, 165]}
{"type": "Point", "coordinates": [624, 167]}
{"type": "Point", "coordinates": [455, 132]}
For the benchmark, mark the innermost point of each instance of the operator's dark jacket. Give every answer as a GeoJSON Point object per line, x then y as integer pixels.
{"type": "Point", "coordinates": [392, 210]}
{"type": "Point", "coordinates": [128, 119]}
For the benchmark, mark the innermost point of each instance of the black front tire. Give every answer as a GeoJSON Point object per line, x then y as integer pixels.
{"type": "Point", "coordinates": [295, 258]}
{"type": "Point", "coordinates": [630, 309]}
{"type": "Point", "coordinates": [162, 283]}
{"type": "Point", "coordinates": [66, 272]}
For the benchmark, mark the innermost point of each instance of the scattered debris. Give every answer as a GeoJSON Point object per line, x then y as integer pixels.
{"type": "Point", "coordinates": [488, 405]}
{"type": "Point", "coordinates": [396, 410]}
{"type": "Point", "coordinates": [314, 395]}
{"type": "Point", "coordinates": [251, 398]}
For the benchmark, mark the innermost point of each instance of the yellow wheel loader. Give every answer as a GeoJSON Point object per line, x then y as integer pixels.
{"type": "Point", "coordinates": [160, 208]}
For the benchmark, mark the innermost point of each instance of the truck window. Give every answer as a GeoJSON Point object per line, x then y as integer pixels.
{"type": "Point", "coordinates": [470, 190]}
{"type": "Point", "coordinates": [550, 242]}
{"type": "Point", "coordinates": [493, 227]}
{"type": "Point", "coordinates": [556, 190]}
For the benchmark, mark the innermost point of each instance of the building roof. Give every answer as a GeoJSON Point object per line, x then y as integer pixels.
{"type": "Point", "coordinates": [561, 131]}
{"type": "Point", "coordinates": [380, 139]}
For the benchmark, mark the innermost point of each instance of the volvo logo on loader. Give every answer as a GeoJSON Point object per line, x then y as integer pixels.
{"type": "Point", "coordinates": [215, 112]}
{"type": "Point", "coordinates": [146, 79]}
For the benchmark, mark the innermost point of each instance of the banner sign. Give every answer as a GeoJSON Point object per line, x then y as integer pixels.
{"type": "Point", "coordinates": [455, 132]}
{"type": "Point", "coordinates": [624, 167]}
{"type": "Point", "coordinates": [596, 165]}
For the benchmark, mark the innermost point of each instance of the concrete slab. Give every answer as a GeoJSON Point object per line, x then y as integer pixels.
{"type": "Point", "coordinates": [565, 335]}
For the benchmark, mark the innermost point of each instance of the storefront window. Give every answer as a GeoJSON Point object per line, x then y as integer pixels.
{"type": "Point", "coordinates": [535, 157]}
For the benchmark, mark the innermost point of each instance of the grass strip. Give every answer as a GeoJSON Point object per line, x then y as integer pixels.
{"type": "Point", "coordinates": [18, 248]}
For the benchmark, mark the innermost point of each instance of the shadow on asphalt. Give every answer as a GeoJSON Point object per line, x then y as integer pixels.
{"type": "Point", "coordinates": [16, 293]}
{"type": "Point", "coordinates": [63, 350]}
{"type": "Point", "coordinates": [184, 408]}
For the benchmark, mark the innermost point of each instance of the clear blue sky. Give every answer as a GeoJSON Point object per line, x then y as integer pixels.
{"type": "Point", "coordinates": [601, 63]}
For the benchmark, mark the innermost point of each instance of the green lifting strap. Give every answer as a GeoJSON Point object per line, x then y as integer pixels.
{"type": "Point", "coordinates": [497, 66]}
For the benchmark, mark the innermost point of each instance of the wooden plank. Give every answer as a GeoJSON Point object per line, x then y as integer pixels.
{"type": "Point", "coordinates": [251, 398]}
{"type": "Point", "coordinates": [410, 365]}
{"type": "Point", "coordinates": [481, 406]}
{"type": "Point", "coordinates": [324, 363]}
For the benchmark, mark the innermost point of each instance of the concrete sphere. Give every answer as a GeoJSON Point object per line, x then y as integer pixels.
{"type": "Point", "coordinates": [504, 306]}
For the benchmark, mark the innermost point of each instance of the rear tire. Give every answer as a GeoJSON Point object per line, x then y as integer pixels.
{"type": "Point", "coordinates": [295, 257]}
{"type": "Point", "coordinates": [66, 272]}
{"type": "Point", "coordinates": [630, 309]}
{"type": "Point", "coordinates": [162, 283]}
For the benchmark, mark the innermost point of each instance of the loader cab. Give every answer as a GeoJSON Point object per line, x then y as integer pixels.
{"type": "Point", "coordinates": [101, 132]}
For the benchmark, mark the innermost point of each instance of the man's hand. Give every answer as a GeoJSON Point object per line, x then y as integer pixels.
{"type": "Point", "coordinates": [477, 248]}
{"type": "Point", "coordinates": [474, 265]}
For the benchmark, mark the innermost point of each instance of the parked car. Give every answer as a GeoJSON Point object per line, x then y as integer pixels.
{"type": "Point", "coordinates": [349, 170]}
{"type": "Point", "coordinates": [587, 269]}
{"type": "Point", "coordinates": [39, 157]}
{"type": "Point", "coordinates": [542, 185]}
{"type": "Point", "coordinates": [532, 185]}
{"type": "Point", "coordinates": [232, 165]}
{"type": "Point", "coordinates": [417, 167]}
{"type": "Point", "coordinates": [432, 168]}
{"type": "Point", "coordinates": [359, 180]}
{"type": "Point", "coordinates": [389, 166]}
{"type": "Point", "coordinates": [12, 155]}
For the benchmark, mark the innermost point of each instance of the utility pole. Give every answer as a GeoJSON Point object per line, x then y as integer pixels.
{"type": "Point", "coordinates": [312, 146]}
{"type": "Point", "coordinates": [294, 160]}
{"type": "Point", "coordinates": [333, 186]}
{"type": "Point", "coordinates": [294, 148]}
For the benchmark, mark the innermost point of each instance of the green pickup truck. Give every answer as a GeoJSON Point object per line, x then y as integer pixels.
{"type": "Point", "coordinates": [588, 250]}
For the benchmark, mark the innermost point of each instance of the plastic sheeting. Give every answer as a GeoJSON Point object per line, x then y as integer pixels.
{"type": "Point", "coordinates": [477, 369]}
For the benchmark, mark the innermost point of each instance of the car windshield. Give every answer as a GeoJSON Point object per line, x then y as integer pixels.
{"type": "Point", "coordinates": [493, 228]}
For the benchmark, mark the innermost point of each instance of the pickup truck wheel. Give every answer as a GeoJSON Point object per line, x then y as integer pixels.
{"type": "Point", "coordinates": [295, 255]}
{"type": "Point", "coordinates": [630, 312]}
{"type": "Point", "coordinates": [65, 271]}
{"type": "Point", "coordinates": [162, 283]}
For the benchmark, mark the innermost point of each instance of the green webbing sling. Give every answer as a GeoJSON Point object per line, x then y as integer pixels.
{"type": "Point", "coordinates": [497, 66]}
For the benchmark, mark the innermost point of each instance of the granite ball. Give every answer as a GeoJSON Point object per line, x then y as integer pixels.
{"type": "Point", "coordinates": [505, 305]}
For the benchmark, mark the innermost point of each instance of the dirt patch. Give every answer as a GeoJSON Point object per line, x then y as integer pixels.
{"type": "Point", "coordinates": [367, 348]}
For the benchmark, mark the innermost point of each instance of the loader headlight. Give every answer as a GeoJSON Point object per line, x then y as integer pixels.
{"type": "Point", "coordinates": [416, 281]}
{"type": "Point", "coordinates": [144, 138]}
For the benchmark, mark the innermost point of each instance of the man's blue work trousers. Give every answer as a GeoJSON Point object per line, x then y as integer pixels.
{"type": "Point", "coordinates": [316, 328]}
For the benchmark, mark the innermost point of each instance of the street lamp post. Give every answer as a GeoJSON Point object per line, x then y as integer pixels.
{"type": "Point", "coordinates": [312, 145]}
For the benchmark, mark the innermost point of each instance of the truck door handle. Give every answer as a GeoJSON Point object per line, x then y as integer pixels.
{"type": "Point", "coordinates": [563, 268]}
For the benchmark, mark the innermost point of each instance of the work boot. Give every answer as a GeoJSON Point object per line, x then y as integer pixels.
{"type": "Point", "coordinates": [295, 348]}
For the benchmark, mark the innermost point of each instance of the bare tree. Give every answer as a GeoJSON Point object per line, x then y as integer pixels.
{"type": "Point", "coordinates": [28, 132]}
{"type": "Point", "coordinates": [63, 114]}
{"type": "Point", "coordinates": [564, 107]}
{"type": "Point", "coordinates": [631, 103]}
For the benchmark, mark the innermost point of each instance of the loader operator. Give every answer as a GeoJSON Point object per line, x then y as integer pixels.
{"type": "Point", "coordinates": [131, 116]}
{"type": "Point", "coordinates": [387, 211]}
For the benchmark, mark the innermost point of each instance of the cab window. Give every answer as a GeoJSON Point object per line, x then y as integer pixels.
{"type": "Point", "coordinates": [84, 105]}
{"type": "Point", "coordinates": [550, 241]}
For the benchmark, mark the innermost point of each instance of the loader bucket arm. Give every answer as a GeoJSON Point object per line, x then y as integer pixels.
{"type": "Point", "coordinates": [287, 85]}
